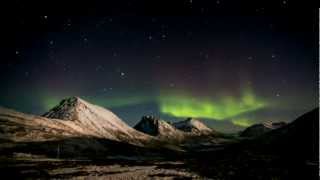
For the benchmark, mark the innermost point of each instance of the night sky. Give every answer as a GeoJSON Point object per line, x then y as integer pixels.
{"type": "Point", "coordinates": [229, 69]}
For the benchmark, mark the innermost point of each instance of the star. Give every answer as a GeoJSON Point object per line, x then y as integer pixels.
{"type": "Point", "coordinates": [250, 58]}
{"type": "Point", "coordinates": [278, 95]}
{"type": "Point", "coordinates": [65, 68]}
{"type": "Point", "coordinates": [85, 39]}
{"type": "Point", "coordinates": [122, 74]}
{"type": "Point", "coordinates": [68, 24]}
{"type": "Point", "coordinates": [273, 56]}
{"type": "Point", "coordinates": [99, 68]}
{"type": "Point", "coordinates": [17, 52]}
{"type": "Point", "coordinates": [172, 85]}
{"type": "Point", "coordinates": [51, 42]}
{"type": "Point", "coordinates": [45, 17]}
{"type": "Point", "coordinates": [150, 37]}
{"type": "Point", "coordinates": [189, 33]}
{"type": "Point", "coordinates": [284, 81]}
{"type": "Point", "coordinates": [271, 26]}
{"type": "Point", "coordinates": [163, 36]}
{"type": "Point", "coordinates": [202, 10]}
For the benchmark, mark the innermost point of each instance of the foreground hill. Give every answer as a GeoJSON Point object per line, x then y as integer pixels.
{"type": "Point", "coordinates": [259, 129]}
{"type": "Point", "coordinates": [289, 152]}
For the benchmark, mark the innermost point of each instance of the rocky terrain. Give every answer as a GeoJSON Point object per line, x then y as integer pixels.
{"type": "Point", "coordinates": [78, 140]}
{"type": "Point", "coordinates": [159, 128]}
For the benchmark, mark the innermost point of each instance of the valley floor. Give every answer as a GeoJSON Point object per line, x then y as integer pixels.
{"type": "Point", "coordinates": [22, 168]}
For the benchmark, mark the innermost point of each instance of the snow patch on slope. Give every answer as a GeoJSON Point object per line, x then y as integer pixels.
{"type": "Point", "coordinates": [193, 126]}
{"type": "Point", "coordinates": [95, 119]}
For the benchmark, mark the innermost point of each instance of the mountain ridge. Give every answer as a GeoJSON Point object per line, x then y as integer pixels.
{"type": "Point", "coordinates": [98, 120]}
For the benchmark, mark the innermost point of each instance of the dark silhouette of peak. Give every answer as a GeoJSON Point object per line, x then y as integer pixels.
{"type": "Point", "coordinates": [259, 129]}
{"type": "Point", "coordinates": [157, 127]}
{"type": "Point", "coordinates": [148, 125]}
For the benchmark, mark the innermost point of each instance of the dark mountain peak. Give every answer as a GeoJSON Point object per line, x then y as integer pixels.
{"type": "Point", "coordinates": [156, 127]}
{"type": "Point", "coordinates": [148, 125]}
{"type": "Point", "coordinates": [259, 129]}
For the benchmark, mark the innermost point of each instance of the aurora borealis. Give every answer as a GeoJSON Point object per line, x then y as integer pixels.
{"type": "Point", "coordinates": [230, 70]}
{"type": "Point", "coordinates": [225, 107]}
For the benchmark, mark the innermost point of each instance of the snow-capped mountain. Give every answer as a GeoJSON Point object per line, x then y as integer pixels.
{"type": "Point", "coordinates": [159, 128]}
{"type": "Point", "coordinates": [193, 126]}
{"type": "Point", "coordinates": [93, 120]}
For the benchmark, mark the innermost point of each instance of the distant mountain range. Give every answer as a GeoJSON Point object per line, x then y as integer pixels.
{"type": "Point", "coordinates": [74, 118]}
{"type": "Point", "coordinates": [78, 129]}
{"type": "Point", "coordinates": [178, 130]}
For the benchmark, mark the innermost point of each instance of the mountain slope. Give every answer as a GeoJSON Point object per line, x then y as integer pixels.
{"type": "Point", "coordinates": [259, 129]}
{"type": "Point", "coordinates": [94, 119]}
{"type": "Point", "coordinates": [193, 126]}
{"type": "Point", "coordinates": [16, 126]}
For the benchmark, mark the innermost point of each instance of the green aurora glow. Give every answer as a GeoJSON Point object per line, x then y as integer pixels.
{"type": "Point", "coordinates": [223, 108]}
{"type": "Point", "coordinates": [244, 122]}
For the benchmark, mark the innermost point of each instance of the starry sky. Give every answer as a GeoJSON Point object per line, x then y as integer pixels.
{"type": "Point", "coordinates": [230, 70]}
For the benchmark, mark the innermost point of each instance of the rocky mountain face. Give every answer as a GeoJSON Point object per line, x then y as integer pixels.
{"type": "Point", "coordinates": [159, 128]}
{"type": "Point", "coordinates": [193, 126]}
{"type": "Point", "coordinates": [190, 134]}
{"type": "Point", "coordinates": [94, 120]}
{"type": "Point", "coordinates": [259, 129]}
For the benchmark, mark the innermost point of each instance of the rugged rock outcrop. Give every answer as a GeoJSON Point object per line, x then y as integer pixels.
{"type": "Point", "coordinates": [159, 128]}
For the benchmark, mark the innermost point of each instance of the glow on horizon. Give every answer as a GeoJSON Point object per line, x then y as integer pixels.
{"type": "Point", "coordinates": [223, 108]}
{"type": "Point", "coordinates": [243, 122]}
